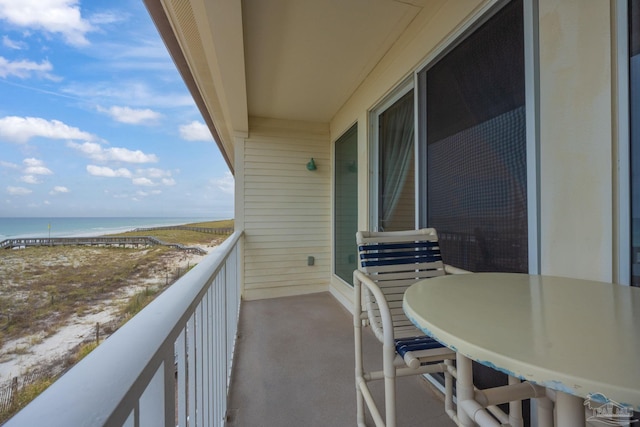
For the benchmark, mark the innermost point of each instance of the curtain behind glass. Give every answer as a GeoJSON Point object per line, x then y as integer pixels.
{"type": "Point", "coordinates": [396, 154]}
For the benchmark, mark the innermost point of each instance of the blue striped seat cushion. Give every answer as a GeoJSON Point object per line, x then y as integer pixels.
{"type": "Point", "coordinates": [404, 345]}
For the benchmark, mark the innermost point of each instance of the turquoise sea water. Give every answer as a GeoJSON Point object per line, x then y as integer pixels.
{"type": "Point", "coordinates": [72, 227]}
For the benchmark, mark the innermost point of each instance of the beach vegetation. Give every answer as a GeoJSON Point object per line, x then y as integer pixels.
{"type": "Point", "coordinates": [83, 351]}
{"type": "Point", "coordinates": [44, 289]}
{"type": "Point", "coordinates": [26, 394]}
{"type": "Point", "coordinates": [55, 293]}
{"type": "Point", "coordinates": [138, 301]}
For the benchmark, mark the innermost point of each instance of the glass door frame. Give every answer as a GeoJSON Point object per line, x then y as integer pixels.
{"type": "Point", "coordinates": [622, 191]}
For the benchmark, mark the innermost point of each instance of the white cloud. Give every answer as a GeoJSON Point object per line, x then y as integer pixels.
{"type": "Point", "coordinates": [106, 18]}
{"type": "Point", "coordinates": [58, 189]}
{"type": "Point", "coordinates": [148, 174]}
{"type": "Point", "coordinates": [38, 170]}
{"type": "Point", "coordinates": [30, 179]}
{"type": "Point", "coordinates": [35, 167]}
{"type": "Point", "coordinates": [25, 69]}
{"type": "Point", "coordinates": [154, 173]}
{"type": "Point", "coordinates": [143, 181]}
{"type": "Point", "coordinates": [226, 184]}
{"type": "Point", "coordinates": [132, 115]}
{"type": "Point", "coordinates": [148, 193]}
{"type": "Point", "coordinates": [129, 156]}
{"type": "Point", "coordinates": [12, 44]}
{"type": "Point", "coordinates": [97, 152]}
{"type": "Point", "coordinates": [130, 92]}
{"type": "Point", "coordinates": [141, 177]}
{"type": "Point", "coordinates": [8, 165]}
{"type": "Point", "coordinates": [195, 131]}
{"type": "Point", "coordinates": [18, 191]}
{"type": "Point", "coordinates": [90, 149]}
{"type": "Point", "coordinates": [31, 161]}
{"type": "Point", "coordinates": [108, 172]}
{"type": "Point", "coordinates": [21, 129]}
{"type": "Point", "coordinates": [51, 16]}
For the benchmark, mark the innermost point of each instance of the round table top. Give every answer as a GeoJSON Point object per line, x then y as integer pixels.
{"type": "Point", "coordinates": [576, 336]}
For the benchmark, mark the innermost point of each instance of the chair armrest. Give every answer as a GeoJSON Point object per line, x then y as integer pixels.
{"type": "Point", "coordinates": [449, 269]}
{"type": "Point", "coordinates": [386, 334]}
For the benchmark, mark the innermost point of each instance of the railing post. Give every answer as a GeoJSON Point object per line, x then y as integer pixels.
{"type": "Point", "coordinates": [169, 390]}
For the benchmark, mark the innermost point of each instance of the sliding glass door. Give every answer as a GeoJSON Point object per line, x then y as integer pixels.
{"type": "Point", "coordinates": [473, 147]}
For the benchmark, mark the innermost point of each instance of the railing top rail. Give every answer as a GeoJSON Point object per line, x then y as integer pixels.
{"type": "Point", "coordinates": [97, 385]}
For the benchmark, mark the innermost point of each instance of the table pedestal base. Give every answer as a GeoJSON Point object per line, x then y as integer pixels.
{"type": "Point", "coordinates": [569, 410]}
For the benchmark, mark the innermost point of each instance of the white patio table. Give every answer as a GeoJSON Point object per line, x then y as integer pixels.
{"type": "Point", "coordinates": [579, 338]}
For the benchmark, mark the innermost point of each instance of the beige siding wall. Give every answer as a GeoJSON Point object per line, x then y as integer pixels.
{"type": "Point", "coordinates": [286, 209]}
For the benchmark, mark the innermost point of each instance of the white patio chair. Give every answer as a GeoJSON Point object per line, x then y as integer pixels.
{"type": "Point", "coordinates": [389, 262]}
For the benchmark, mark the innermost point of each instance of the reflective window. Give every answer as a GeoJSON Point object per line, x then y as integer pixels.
{"type": "Point", "coordinates": [346, 204]}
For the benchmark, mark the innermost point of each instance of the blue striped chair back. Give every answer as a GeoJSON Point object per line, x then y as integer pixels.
{"type": "Point", "coordinates": [395, 260]}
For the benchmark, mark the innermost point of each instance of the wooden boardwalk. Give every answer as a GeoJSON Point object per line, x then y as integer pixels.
{"type": "Point", "coordinates": [121, 241]}
{"type": "Point", "coordinates": [225, 230]}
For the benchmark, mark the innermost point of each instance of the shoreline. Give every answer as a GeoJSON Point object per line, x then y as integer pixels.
{"type": "Point", "coordinates": [42, 227]}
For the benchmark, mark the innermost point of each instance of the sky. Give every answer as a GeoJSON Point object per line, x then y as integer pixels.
{"type": "Point", "coordinates": [95, 119]}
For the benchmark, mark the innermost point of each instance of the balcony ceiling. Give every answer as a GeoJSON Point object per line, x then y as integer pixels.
{"type": "Point", "coordinates": [304, 58]}
{"type": "Point", "coordinates": [280, 59]}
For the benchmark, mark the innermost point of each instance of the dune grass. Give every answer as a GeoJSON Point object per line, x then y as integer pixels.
{"type": "Point", "coordinates": [45, 286]}
{"type": "Point", "coordinates": [186, 237]}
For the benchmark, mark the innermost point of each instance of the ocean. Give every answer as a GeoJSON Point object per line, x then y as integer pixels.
{"type": "Point", "coordinates": [84, 226]}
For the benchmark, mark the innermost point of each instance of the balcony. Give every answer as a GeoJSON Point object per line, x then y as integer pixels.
{"type": "Point", "coordinates": [295, 366]}
{"type": "Point", "coordinates": [178, 362]}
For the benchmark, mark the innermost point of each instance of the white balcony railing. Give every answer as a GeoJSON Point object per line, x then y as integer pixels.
{"type": "Point", "coordinates": [169, 365]}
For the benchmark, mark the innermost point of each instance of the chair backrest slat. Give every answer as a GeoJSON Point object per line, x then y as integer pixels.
{"type": "Point", "coordinates": [388, 272]}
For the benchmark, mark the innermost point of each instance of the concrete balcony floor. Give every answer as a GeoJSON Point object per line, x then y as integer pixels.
{"type": "Point", "coordinates": [294, 366]}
